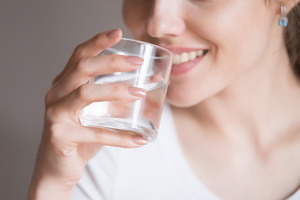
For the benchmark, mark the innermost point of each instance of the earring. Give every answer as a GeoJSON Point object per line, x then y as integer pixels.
{"type": "Point", "coordinates": [283, 20]}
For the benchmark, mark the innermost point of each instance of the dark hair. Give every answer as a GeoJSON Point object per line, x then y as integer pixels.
{"type": "Point", "coordinates": [292, 38]}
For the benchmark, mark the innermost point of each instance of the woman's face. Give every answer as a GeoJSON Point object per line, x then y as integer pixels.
{"type": "Point", "coordinates": [215, 42]}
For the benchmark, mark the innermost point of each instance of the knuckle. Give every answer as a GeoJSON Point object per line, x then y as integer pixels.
{"type": "Point", "coordinates": [124, 141]}
{"type": "Point", "coordinates": [78, 51]}
{"type": "Point", "coordinates": [59, 139]}
{"type": "Point", "coordinates": [83, 92]}
{"type": "Point", "coordinates": [52, 96]}
{"type": "Point", "coordinates": [56, 133]}
{"type": "Point", "coordinates": [51, 113]}
{"type": "Point", "coordinates": [82, 66]}
{"type": "Point", "coordinates": [115, 61]}
{"type": "Point", "coordinates": [117, 90]}
{"type": "Point", "coordinates": [99, 135]}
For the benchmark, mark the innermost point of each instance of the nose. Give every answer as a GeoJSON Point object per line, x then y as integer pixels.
{"type": "Point", "coordinates": [165, 19]}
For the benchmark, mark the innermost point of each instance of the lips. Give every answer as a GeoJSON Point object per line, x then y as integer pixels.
{"type": "Point", "coordinates": [184, 59]}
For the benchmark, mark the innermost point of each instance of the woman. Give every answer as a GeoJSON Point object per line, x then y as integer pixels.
{"type": "Point", "coordinates": [231, 130]}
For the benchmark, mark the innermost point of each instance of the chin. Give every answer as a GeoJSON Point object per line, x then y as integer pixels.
{"type": "Point", "coordinates": [184, 97]}
{"type": "Point", "coordinates": [183, 101]}
{"type": "Point", "coordinates": [180, 104]}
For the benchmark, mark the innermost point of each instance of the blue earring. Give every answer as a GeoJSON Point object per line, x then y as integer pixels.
{"type": "Point", "coordinates": [283, 20]}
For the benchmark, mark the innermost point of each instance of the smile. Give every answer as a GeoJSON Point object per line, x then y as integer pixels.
{"type": "Point", "coordinates": [187, 56]}
{"type": "Point", "coordinates": [185, 59]}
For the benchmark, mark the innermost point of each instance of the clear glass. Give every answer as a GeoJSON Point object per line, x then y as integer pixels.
{"type": "Point", "coordinates": [140, 117]}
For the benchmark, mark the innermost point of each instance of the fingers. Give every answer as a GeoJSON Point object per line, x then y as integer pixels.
{"type": "Point", "coordinates": [106, 137]}
{"type": "Point", "coordinates": [75, 134]}
{"type": "Point", "coordinates": [85, 63]}
{"type": "Point", "coordinates": [96, 44]}
{"type": "Point", "coordinates": [89, 93]}
{"type": "Point", "coordinates": [91, 48]}
{"type": "Point", "coordinates": [70, 93]}
{"type": "Point", "coordinates": [66, 110]}
{"type": "Point", "coordinates": [87, 68]}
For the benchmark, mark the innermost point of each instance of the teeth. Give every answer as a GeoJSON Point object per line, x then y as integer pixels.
{"type": "Point", "coordinates": [192, 55]}
{"type": "Point", "coordinates": [176, 59]}
{"type": "Point", "coordinates": [200, 53]}
{"type": "Point", "coordinates": [185, 57]}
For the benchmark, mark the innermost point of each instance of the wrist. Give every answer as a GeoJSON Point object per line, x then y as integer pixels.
{"type": "Point", "coordinates": [44, 189]}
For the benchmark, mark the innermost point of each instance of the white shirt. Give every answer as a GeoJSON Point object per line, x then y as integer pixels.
{"type": "Point", "coordinates": [157, 171]}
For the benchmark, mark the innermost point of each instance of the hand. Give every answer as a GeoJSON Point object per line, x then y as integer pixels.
{"type": "Point", "coordinates": [67, 146]}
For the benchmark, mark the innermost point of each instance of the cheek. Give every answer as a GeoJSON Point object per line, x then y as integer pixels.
{"type": "Point", "coordinates": [236, 44]}
{"type": "Point", "coordinates": [237, 35]}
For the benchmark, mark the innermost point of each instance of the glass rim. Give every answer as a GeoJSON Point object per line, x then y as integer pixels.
{"type": "Point", "coordinates": [146, 43]}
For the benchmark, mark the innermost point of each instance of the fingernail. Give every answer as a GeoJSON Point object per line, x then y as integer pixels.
{"type": "Point", "coordinates": [139, 140]}
{"type": "Point", "coordinates": [113, 34]}
{"type": "Point", "coordinates": [139, 92]}
{"type": "Point", "coordinates": [134, 60]}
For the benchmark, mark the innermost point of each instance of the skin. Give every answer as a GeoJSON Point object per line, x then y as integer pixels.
{"type": "Point", "coordinates": [67, 146]}
{"type": "Point", "coordinates": [235, 112]}
{"type": "Point", "coordinates": [240, 102]}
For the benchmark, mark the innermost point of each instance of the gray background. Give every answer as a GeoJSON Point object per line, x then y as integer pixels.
{"type": "Point", "coordinates": [36, 40]}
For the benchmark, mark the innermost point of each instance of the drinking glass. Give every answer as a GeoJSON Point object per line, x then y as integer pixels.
{"type": "Point", "coordinates": [140, 117]}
